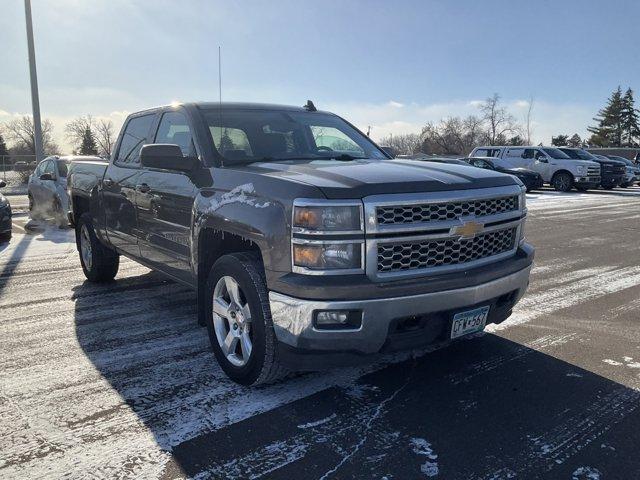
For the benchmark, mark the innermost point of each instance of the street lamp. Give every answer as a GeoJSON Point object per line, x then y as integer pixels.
{"type": "Point", "coordinates": [35, 102]}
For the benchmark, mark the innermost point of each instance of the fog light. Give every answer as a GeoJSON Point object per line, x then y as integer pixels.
{"type": "Point", "coordinates": [337, 320]}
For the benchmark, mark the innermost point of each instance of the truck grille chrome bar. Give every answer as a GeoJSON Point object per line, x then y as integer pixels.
{"type": "Point", "coordinates": [410, 235]}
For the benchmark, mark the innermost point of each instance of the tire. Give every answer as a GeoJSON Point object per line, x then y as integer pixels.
{"type": "Point", "coordinates": [261, 364]}
{"type": "Point", "coordinates": [32, 209]}
{"type": "Point", "coordinates": [562, 182]}
{"type": "Point", "coordinates": [5, 237]}
{"type": "Point", "coordinates": [59, 214]}
{"type": "Point", "coordinates": [99, 263]}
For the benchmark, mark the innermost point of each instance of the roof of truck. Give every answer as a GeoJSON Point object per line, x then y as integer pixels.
{"type": "Point", "coordinates": [230, 106]}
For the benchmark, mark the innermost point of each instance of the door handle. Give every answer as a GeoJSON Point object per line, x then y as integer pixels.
{"type": "Point", "coordinates": [143, 188]}
{"type": "Point", "coordinates": [107, 182]}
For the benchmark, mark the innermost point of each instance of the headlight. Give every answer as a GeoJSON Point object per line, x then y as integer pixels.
{"type": "Point", "coordinates": [582, 170]}
{"type": "Point", "coordinates": [327, 218]}
{"type": "Point", "coordinates": [3, 202]}
{"type": "Point", "coordinates": [318, 243]}
{"type": "Point", "coordinates": [321, 256]}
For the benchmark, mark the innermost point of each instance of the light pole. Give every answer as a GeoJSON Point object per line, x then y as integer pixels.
{"type": "Point", "coordinates": [35, 102]}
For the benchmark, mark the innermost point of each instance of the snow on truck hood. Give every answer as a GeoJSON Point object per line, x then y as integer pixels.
{"type": "Point", "coordinates": [360, 178]}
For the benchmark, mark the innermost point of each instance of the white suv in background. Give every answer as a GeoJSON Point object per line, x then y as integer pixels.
{"type": "Point", "coordinates": [557, 169]}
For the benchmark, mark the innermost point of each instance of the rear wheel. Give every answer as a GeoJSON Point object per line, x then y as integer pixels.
{"type": "Point", "coordinates": [239, 320]}
{"type": "Point", "coordinates": [99, 263]}
{"type": "Point", "coordinates": [562, 182]}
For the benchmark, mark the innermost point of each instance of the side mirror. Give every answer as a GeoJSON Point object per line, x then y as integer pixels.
{"type": "Point", "coordinates": [3, 183]}
{"type": "Point", "coordinates": [166, 156]}
{"type": "Point", "coordinates": [543, 159]}
{"type": "Point", "coordinates": [46, 176]}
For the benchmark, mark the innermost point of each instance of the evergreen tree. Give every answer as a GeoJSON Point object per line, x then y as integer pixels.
{"type": "Point", "coordinates": [630, 120]}
{"type": "Point", "coordinates": [88, 146]}
{"type": "Point", "coordinates": [609, 131]}
{"type": "Point", "coordinates": [560, 141]}
{"type": "Point", "coordinates": [575, 141]}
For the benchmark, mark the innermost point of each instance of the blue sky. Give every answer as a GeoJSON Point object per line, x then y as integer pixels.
{"type": "Point", "coordinates": [392, 65]}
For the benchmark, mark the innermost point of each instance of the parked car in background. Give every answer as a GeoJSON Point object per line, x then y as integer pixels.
{"type": "Point", "coordinates": [451, 161]}
{"type": "Point", "coordinates": [307, 245]}
{"type": "Point", "coordinates": [612, 172]}
{"type": "Point", "coordinates": [531, 180]}
{"type": "Point", "coordinates": [5, 216]}
{"type": "Point", "coordinates": [556, 168]}
{"type": "Point", "coordinates": [632, 170]}
{"type": "Point", "coordinates": [47, 188]}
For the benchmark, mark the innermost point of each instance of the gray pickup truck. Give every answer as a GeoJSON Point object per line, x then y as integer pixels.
{"type": "Point", "coordinates": [307, 245]}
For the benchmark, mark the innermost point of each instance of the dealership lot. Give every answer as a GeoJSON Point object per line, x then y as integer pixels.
{"type": "Point", "coordinates": [118, 380]}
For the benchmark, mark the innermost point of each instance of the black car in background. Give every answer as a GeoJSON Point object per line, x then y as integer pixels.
{"type": "Point", "coordinates": [532, 180]}
{"type": "Point", "coordinates": [633, 170]}
{"type": "Point", "coordinates": [5, 216]}
{"type": "Point", "coordinates": [612, 172]}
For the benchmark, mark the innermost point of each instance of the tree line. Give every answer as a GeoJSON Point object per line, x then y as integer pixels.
{"type": "Point", "coordinates": [85, 134]}
{"type": "Point", "coordinates": [493, 125]}
{"type": "Point", "coordinates": [617, 124]}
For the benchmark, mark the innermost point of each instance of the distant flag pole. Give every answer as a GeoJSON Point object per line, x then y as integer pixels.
{"type": "Point", "coordinates": [35, 101]}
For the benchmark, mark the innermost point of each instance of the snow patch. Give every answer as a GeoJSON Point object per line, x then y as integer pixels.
{"type": "Point", "coordinates": [586, 473]}
{"type": "Point", "coordinates": [422, 447]}
{"type": "Point", "coordinates": [572, 374]}
{"type": "Point", "coordinates": [612, 362]}
{"type": "Point", "coordinates": [241, 194]}
{"type": "Point", "coordinates": [317, 423]}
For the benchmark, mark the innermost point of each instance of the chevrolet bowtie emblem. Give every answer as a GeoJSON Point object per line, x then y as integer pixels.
{"type": "Point", "coordinates": [468, 229]}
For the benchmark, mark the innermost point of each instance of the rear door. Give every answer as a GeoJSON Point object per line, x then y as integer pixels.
{"type": "Point", "coordinates": [513, 158]}
{"type": "Point", "coordinates": [119, 185]}
{"type": "Point", "coordinates": [164, 203]}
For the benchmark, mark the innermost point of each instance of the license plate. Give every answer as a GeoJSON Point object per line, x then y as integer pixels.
{"type": "Point", "coordinates": [469, 322]}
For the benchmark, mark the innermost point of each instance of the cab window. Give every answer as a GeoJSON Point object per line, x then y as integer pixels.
{"type": "Point", "coordinates": [50, 167]}
{"type": "Point", "coordinates": [174, 128]}
{"type": "Point", "coordinates": [134, 137]}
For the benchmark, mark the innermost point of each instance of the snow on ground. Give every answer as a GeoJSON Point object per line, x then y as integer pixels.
{"type": "Point", "coordinates": [104, 380]}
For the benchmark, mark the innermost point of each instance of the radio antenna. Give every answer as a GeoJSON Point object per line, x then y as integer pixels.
{"type": "Point", "coordinates": [220, 98]}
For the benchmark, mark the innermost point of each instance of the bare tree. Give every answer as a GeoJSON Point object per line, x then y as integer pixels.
{"type": "Point", "coordinates": [76, 128]}
{"type": "Point", "coordinates": [404, 144]}
{"type": "Point", "coordinates": [453, 135]}
{"type": "Point", "coordinates": [105, 137]}
{"type": "Point", "coordinates": [499, 122]}
{"type": "Point", "coordinates": [20, 133]}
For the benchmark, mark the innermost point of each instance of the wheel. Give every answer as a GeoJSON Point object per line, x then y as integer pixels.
{"type": "Point", "coordinates": [239, 320]}
{"type": "Point", "coordinates": [32, 209]}
{"type": "Point", "coordinates": [562, 182]}
{"type": "Point", "coordinates": [99, 263]}
{"type": "Point", "coordinates": [5, 237]}
{"type": "Point", "coordinates": [58, 214]}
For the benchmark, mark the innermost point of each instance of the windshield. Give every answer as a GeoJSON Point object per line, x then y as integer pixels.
{"type": "Point", "coordinates": [62, 167]}
{"type": "Point", "coordinates": [578, 154]}
{"type": "Point", "coordinates": [245, 136]}
{"type": "Point", "coordinates": [555, 153]}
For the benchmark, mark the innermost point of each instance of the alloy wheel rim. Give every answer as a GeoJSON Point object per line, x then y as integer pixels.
{"type": "Point", "coordinates": [85, 247]}
{"type": "Point", "coordinates": [232, 321]}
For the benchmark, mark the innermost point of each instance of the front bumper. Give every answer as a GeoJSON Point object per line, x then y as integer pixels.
{"type": "Point", "coordinates": [293, 317]}
{"type": "Point", "coordinates": [612, 181]}
{"type": "Point", "coordinates": [590, 182]}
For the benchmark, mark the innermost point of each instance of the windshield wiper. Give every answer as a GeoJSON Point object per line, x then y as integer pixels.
{"type": "Point", "coordinates": [344, 157]}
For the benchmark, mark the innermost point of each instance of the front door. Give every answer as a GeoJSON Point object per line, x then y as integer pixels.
{"type": "Point", "coordinates": [119, 186]}
{"type": "Point", "coordinates": [164, 205]}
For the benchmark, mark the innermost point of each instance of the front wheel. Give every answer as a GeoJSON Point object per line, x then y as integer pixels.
{"type": "Point", "coordinates": [239, 320]}
{"type": "Point", "coordinates": [562, 182]}
{"type": "Point", "coordinates": [99, 263]}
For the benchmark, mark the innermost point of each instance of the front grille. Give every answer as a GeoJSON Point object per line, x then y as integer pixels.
{"type": "Point", "coordinates": [405, 256]}
{"type": "Point", "coordinates": [593, 171]}
{"type": "Point", "coordinates": [424, 213]}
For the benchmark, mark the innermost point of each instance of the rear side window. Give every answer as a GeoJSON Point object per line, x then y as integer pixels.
{"type": "Point", "coordinates": [134, 137]}
{"type": "Point", "coordinates": [516, 153]}
{"type": "Point", "coordinates": [174, 128]}
{"type": "Point", "coordinates": [49, 167]}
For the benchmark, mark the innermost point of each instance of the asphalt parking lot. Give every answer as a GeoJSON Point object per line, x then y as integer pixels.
{"type": "Point", "coordinates": [117, 381]}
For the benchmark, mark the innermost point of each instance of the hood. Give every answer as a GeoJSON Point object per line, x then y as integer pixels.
{"type": "Point", "coordinates": [360, 178]}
